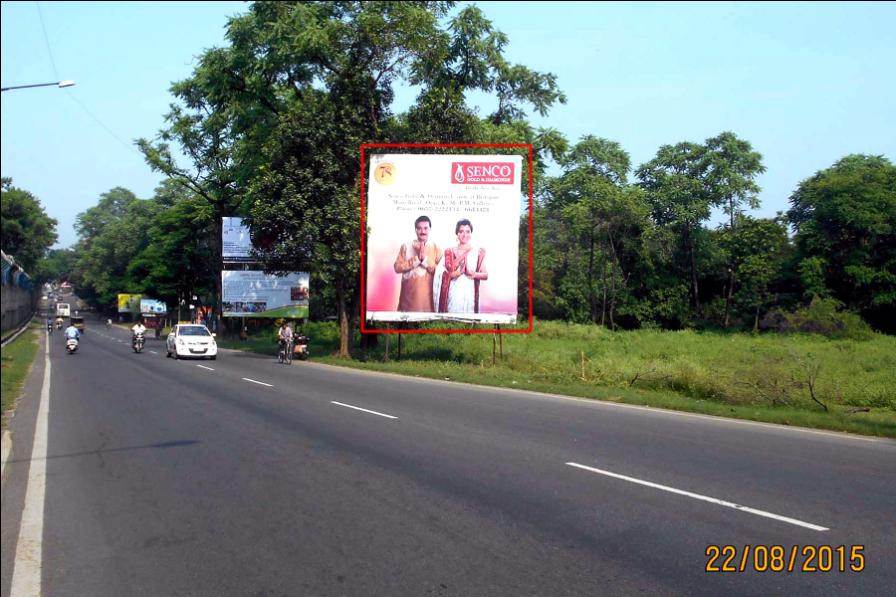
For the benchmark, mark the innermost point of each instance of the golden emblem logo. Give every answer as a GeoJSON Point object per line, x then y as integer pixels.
{"type": "Point", "coordinates": [385, 173]}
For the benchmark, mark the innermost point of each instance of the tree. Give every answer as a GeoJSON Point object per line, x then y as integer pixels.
{"type": "Point", "coordinates": [27, 230]}
{"type": "Point", "coordinates": [178, 260]}
{"type": "Point", "coordinates": [674, 184]}
{"type": "Point", "coordinates": [58, 264]}
{"type": "Point", "coordinates": [758, 250]}
{"type": "Point", "coordinates": [844, 219]}
{"type": "Point", "coordinates": [730, 169]}
{"type": "Point", "coordinates": [273, 121]}
{"type": "Point", "coordinates": [605, 218]}
{"type": "Point", "coordinates": [111, 234]}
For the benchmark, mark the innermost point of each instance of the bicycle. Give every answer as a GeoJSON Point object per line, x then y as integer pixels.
{"type": "Point", "coordinates": [284, 355]}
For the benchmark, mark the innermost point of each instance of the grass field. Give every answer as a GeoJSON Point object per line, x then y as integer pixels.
{"type": "Point", "coordinates": [15, 362]}
{"type": "Point", "coordinates": [773, 378]}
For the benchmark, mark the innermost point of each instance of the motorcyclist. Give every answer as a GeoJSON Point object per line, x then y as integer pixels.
{"type": "Point", "coordinates": [138, 329]}
{"type": "Point", "coordinates": [72, 332]}
{"type": "Point", "coordinates": [49, 325]}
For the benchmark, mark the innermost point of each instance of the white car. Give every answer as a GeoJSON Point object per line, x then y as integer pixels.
{"type": "Point", "coordinates": [191, 340]}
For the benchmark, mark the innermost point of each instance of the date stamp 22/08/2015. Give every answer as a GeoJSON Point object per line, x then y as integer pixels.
{"type": "Point", "coordinates": [785, 558]}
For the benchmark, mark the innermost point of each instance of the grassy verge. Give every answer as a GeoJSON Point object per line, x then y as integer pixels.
{"type": "Point", "coordinates": [15, 362]}
{"type": "Point", "coordinates": [772, 378]}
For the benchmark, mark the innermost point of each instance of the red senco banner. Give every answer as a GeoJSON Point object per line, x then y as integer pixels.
{"type": "Point", "coordinates": [482, 172]}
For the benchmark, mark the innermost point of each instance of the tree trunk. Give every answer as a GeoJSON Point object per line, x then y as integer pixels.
{"type": "Point", "coordinates": [342, 314]}
{"type": "Point", "coordinates": [613, 295]}
{"type": "Point", "coordinates": [695, 290]}
{"type": "Point", "coordinates": [730, 292]}
{"type": "Point", "coordinates": [603, 306]}
{"type": "Point", "coordinates": [592, 315]}
{"type": "Point", "coordinates": [216, 271]}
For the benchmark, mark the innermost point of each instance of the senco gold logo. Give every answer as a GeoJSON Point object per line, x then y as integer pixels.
{"type": "Point", "coordinates": [385, 173]}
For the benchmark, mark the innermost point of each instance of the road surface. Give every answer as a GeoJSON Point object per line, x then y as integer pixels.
{"type": "Point", "coordinates": [142, 475]}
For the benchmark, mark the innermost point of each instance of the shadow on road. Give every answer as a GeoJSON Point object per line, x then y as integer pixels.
{"type": "Point", "coordinates": [163, 445]}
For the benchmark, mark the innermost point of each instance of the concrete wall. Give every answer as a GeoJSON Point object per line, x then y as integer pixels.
{"type": "Point", "coordinates": [17, 306]}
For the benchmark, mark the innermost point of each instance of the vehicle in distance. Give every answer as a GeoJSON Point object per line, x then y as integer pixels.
{"type": "Point", "coordinates": [63, 310]}
{"type": "Point", "coordinates": [191, 340]}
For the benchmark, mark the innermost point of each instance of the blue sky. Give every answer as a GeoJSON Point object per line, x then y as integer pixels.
{"type": "Point", "coordinates": [805, 83]}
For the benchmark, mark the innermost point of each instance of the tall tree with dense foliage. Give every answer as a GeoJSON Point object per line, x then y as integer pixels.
{"type": "Point", "coordinates": [730, 170]}
{"type": "Point", "coordinates": [604, 218]}
{"type": "Point", "coordinates": [281, 111]}
{"type": "Point", "coordinates": [27, 231]}
{"type": "Point", "coordinates": [844, 218]}
{"type": "Point", "coordinates": [758, 249]}
{"type": "Point", "coordinates": [111, 234]}
{"type": "Point", "coordinates": [674, 183]}
{"type": "Point", "coordinates": [178, 260]}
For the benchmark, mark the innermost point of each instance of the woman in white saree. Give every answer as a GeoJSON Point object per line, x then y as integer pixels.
{"type": "Point", "coordinates": [464, 270]}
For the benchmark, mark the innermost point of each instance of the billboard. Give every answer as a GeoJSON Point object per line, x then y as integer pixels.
{"type": "Point", "coordinates": [443, 237]}
{"type": "Point", "coordinates": [236, 244]}
{"type": "Point", "coordinates": [129, 303]}
{"type": "Point", "coordinates": [153, 306]}
{"type": "Point", "coordinates": [256, 294]}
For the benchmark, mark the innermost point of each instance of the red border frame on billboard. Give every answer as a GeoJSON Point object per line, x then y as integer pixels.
{"type": "Point", "coordinates": [498, 330]}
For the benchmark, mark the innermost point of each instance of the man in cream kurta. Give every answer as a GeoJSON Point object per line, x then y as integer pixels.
{"type": "Point", "coordinates": [416, 262]}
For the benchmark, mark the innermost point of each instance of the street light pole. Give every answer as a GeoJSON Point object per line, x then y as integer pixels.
{"type": "Point", "coordinates": [60, 84]}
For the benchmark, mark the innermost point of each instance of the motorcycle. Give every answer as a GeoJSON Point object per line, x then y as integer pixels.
{"type": "Point", "coordinates": [137, 342]}
{"type": "Point", "coordinates": [301, 348]}
{"type": "Point", "coordinates": [49, 328]}
{"type": "Point", "coordinates": [71, 345]}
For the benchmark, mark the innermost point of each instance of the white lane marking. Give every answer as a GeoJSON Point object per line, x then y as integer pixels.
{"type": "Point", "coordinates": [596, 403]}
{"type": "Point", "coordinates": [373, 412]}
{"type": "Point", "coordinates": [261, 383]}
{"type": "Point", "coordinates": [26, 572]}
{"type": "Point", "coordinates": [153, 352]}
{"type": "Point", "coordinates": [704, 498]}
{"type": "Point", "coordinates": [210, 369]}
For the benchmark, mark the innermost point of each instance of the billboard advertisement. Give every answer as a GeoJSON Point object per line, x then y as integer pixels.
{"type": "Point", "coordinates": [153, 306]}
{"type": "Point", "coordinates": [443, 240]}
{"type": "Point", "coordinates": [256, 294]}
{"type": "Point", "coordinates": [129, 303]}
{"type": "Point", "coordinates": [236, 244]}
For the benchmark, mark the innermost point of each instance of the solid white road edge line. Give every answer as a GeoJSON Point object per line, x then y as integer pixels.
{"type": "Point", "coordinates": [373, 412]}
{"type": "Point", "coordinates": [26, 571]}
{"type": "Point", "coordinates": [209, 368]}
{"type": "Point", "coordinates": [261, 383]}
{"type": "Point", "coordinates": [704, 498]}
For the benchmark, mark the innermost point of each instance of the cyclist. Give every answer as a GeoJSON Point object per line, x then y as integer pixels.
{"type": "Point", "coordinates": [284, 338]}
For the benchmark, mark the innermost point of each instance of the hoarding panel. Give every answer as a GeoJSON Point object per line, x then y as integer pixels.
{"type": "Point", "coordinates": [235, 242]}
{"type": "Point", "coordinates": [129, 303]}
{"type": "Point", "coordinates": [148, 305]}
{"type": "Point", "coordinates": [256, 294]}
{"type": "Point", "coordinates": [443, 237]}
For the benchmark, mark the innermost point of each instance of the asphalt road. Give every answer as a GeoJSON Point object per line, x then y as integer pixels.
{"type": "Point", "coordinates": [167, 477]}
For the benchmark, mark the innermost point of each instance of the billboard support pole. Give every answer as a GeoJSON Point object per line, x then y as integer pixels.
{"type": "Point", "coordinates": [399, 346]}
{"type": "Point", "coordinates": [495, 346]}
{"type": "Point", "coordinates": [386, 356]}
{"type": "Point", "coordinates": [500, 341]}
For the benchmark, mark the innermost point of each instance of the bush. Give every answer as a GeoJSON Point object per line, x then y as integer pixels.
{"type": "Point", "coordinates": [823, 316]}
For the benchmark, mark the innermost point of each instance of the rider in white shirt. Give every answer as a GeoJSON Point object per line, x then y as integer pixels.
{"type": "Point", "coordinates": [72, 332]}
